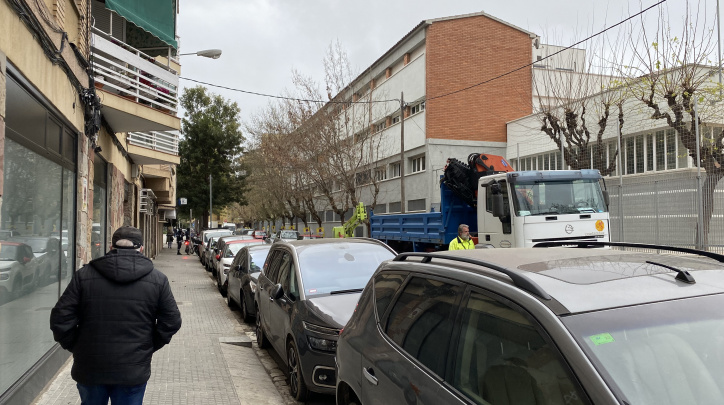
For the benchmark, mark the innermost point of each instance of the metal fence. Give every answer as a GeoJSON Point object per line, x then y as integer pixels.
{"type": "Point", "coordinates": [662, 208]}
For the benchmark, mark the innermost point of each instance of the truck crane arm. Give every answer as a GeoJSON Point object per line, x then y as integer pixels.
{"type": "Point", "coordinates": [347, 230]}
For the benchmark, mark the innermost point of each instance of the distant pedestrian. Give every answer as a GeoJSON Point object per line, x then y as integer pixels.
{"type": "Point", "coordinates": [115, 313]}
{"type": "Point", "coordinates": [179, 240]}
{"type": "Point", "coordinates": [169, 237]}
{"type": "Point", "coordinates": [463, 240]}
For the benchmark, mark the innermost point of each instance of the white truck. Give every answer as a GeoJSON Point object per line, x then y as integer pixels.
{"type": "Point", "coordinates": [504, 208]}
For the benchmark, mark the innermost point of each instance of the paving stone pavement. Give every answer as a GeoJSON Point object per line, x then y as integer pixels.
{"type": "Point", "coordinates": [196, 368]}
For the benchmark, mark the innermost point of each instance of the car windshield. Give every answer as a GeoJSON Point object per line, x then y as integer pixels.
{"type": "Point", "coordinates": [288, 235]}
{"type": "Point", "coordinates": [558, 197]}
{"type": "Point", "coordinates": [659, 353]}
{"type": "Point", "coordinates": [258, 257]}
{"type": "Point", "coordinates": [233, 248]}
{"type": "Point", "coordinates": [8, 252]}
{"type": "Point", "coordinates": [339, 267]}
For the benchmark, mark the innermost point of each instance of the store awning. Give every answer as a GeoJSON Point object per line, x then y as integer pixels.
{"type": "Point", "coordinates": [156, 16]}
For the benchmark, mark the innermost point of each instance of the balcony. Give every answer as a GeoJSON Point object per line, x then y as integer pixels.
{"type": "Point", "coordinates": [153, 148]}
{"type": "Point", "coordinates": [138, 92]}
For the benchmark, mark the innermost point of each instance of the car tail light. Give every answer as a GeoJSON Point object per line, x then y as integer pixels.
{"type": "Point", "coordinates": [218, 257]}
{"type": "Point", "coordinates": [187, 242]}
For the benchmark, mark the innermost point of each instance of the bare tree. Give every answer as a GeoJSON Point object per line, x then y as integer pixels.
{"type": "Point", "coordinates": [674, 69]}
{"type": "Point", "coordinates": [579, 103]}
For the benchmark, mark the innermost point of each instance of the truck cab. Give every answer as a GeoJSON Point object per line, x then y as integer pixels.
{"type": "Point", "coordinates": [520, 209]}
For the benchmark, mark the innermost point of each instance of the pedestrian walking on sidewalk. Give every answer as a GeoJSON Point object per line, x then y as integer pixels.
{"type": "Point", "coordinates": [115, 313]}
{"type": "Point", "coordinates": [169, 237]}
{"type": "Point", "coordinates": [179, 240]}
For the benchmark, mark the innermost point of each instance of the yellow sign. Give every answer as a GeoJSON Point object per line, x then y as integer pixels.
{"type": "Point", "coordinates": [274, 228]}
{"type": "Point", "coordinates": [306, 230]}
{"type": "Point", "coordinates": [320, 231]}
{"type": "Point", "coordinates": [599, 225]}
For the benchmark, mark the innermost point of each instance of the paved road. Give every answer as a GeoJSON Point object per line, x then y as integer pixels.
{"type": "Point", "coordinates": [197, 368]}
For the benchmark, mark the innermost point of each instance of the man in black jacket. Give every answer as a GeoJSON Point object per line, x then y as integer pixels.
{"type": "Point", "coordinates": [115, 313]}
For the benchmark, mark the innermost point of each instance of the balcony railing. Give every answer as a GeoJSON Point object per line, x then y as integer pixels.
{"type": "Point", "coordinates": [130, 73]}
{"type": "Point", "coordinates": [161, 141]}
{"type": "Point", "coordinates": [147, 201]}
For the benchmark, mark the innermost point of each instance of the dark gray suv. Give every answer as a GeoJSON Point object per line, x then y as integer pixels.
{"type": "Point", "coordinates": [538, 326]}
{"type": "Point", "coordinates": [305, 295]}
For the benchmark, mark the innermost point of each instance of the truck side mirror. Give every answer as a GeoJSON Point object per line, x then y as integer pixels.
{"type": "Point", "coordinates": [606, 198]}
{"type": "Point", "coordinates": [498, 206]}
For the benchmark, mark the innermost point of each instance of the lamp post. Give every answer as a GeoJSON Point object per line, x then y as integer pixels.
{"type": "Point", "coordinates": [207, 53]}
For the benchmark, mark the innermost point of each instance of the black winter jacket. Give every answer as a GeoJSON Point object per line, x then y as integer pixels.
{"type": "Point", "coordinates": [116, 311]}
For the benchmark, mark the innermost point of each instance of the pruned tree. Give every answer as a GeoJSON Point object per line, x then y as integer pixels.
{"type": "Point", "coordinates": [672, 75]}
{"type": "Point", "coordinates": [579, 105]}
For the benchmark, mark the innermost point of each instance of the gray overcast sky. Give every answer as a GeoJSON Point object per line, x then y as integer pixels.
{"type": "Point", "coordinates": [263, 40]}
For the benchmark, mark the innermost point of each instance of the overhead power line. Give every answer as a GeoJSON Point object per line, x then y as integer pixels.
{"type": "Point", "coordinates": [549, 56]}
{"type": "Point", "coordinates": [430, 98]}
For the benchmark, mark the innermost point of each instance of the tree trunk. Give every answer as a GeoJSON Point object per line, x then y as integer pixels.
{"type": "Point", "coordinates": [708, 188]}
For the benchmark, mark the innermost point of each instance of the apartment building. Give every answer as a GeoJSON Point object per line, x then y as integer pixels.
{"type": "Point", "coordinates": [455, 76]}
{"type": "Point", "coordinates": [88, 143]}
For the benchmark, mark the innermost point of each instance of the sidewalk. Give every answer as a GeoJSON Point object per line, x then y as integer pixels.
{"type": "Point", "coordinates": [196, 368]}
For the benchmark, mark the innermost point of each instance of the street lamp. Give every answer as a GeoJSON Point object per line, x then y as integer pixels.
{"type": "Point", "coordinates": [207, 53]}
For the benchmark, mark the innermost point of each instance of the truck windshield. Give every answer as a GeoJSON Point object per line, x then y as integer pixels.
{"type": "Point", "coordinates": [558, 197]}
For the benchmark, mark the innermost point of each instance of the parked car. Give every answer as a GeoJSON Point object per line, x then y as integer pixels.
{"type": "Point", "coordinates": [259, 234]}
{"type": "Point", "coordinates": [243, 278]}
{"type": "Point", "coordinates": [305, 295]}
{"type": "Point", "coordinates": [538, 326]}
{"type": "Point", "coordinates": [19, 270]}
{"type": "Point", "coordinates": [226, 255]}
{"type": "Point", "coordinates": [218, 247]}
{"type": "Point", "coordinates": [47, 252]}
{"type": "Point", "coordinates": [204, 239]}
{"type": "Point", "coordinates": [286, 234]}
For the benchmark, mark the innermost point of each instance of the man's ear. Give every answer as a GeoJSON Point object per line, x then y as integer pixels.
{"type": "Point", "coordinates": [140, 249]}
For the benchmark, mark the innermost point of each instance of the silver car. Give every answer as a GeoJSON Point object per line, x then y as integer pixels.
{"type": "Point", "coordinates": [243, 278]}
{"type": "Point", "coordinates": [227, 251]}
{"type": "Point", "coordinates": [205, 236]}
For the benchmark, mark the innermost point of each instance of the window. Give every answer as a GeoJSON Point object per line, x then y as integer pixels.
{"type": "Point", "coordinates": [500, 350]}
{"type": "Point", "coordinates": [386, 286]}
{"type": "Point", "coordinates": [649, 152]}
{"type": "Point", "coordinates": [288, 278]}
{"type": "Point", "coordinates": [416, 205]}
{"type": "Point", "coordinates": [639, 154]}
{"type": "Point", "coordinates": [364, 177]}
{"type": "Point", "coordinates": [417, 108]}
{"type": "Point", "coordinates": [394, 170]}
{"type": "Point", "coordinates": [630, 156]}
{"type": "Point", "coordinates": [418, 164]}
{"type": "Point", "coordinates": [380, 174]}
{"type": "Point", "coordinates": [378, 127]}
{"type": "Point", "coordinates": [394, 207]}
{"type": "Point", "coordinates": [395, 119]}
{"type": "Point", "coordinates": [421, 320]}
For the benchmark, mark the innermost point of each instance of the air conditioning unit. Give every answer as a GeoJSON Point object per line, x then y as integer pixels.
{"type": "Point", "coordinates": [135, 171]}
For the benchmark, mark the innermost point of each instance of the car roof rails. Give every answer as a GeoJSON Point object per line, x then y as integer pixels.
{"type": "Point", "coordinates": [590, 244]}
{"type": "Point", "coordinates": [519, 280]}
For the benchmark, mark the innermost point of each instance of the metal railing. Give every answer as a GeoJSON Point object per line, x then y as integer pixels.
{"type": "Point", "coordinates": [147, 201]}
{"type": "Point", "coordinates": [130, 73]}
{"type": "Point", "coordinates": [160, 141]}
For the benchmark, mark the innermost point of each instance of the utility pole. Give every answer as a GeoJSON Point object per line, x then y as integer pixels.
{"type": "Point", "coordinates": [211, 207]}
{"type": "Point", "coordinates": [402, 152]}
{"type": "Point", "coordinates": [718, 45]}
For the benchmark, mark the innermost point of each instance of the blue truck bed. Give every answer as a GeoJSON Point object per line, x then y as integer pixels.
{"type": "Point", "coordinates": [425, 230]}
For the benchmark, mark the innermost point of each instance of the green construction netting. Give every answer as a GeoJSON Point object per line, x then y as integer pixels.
{"type": "Point", "coordinates": [154, 16]}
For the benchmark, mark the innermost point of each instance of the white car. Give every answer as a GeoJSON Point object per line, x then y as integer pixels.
{"type": "Point", "coordinates": [231, 248]}
{"type": "Point", "coordinates": [18, 270]}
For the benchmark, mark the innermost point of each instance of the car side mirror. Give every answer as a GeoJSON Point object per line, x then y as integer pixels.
{"type": "Point", "coordinates": [277, 292]}
{"type": "Point", "coordinates": [606, 198]}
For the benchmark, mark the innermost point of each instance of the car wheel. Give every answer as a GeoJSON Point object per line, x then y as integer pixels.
{"type": "Point", "coordinates": [17, 288]}
{"type": "Point", "coordinates": [297, 387]}
{"type": "Point", "coordinates": [224, 289]}
{"type": "Point", "coordinates": [261, 340]}
{"type": "Point", "coordinates": [246, 316]}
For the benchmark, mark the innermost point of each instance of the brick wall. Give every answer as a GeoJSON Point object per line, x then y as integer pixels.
{"type": "Point", "coordinates": [467, 51]}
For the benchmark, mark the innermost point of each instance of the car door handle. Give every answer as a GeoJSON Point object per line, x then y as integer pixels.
{"type": "Point", "coordinates": [369, 375]}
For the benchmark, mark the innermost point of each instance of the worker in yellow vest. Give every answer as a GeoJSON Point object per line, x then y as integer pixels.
{"type": "Point", "coordinates": [463, 241]}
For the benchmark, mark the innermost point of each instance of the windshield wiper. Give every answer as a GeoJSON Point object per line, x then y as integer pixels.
{"type": "Point", "coordinates": [353, 290]}
{"type": "Point", "coordinates": [682, 275]}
